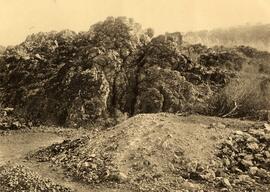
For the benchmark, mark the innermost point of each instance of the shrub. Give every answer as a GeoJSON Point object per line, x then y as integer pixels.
{"type": "Point", "coordinates": [242, 96]}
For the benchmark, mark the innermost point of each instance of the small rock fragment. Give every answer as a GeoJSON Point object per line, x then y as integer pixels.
{"type": "Point", "coordinates": [253, 146]}
{"type": "Point", "coordinates": [253, 170]}
{"type": "Point", "coordinates": [226, 183]}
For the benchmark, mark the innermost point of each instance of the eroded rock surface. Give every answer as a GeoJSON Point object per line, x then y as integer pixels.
{"type": "Point", "coordinates": [114, 70]}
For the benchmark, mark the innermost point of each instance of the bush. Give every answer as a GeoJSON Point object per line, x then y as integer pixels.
{"type": "Point", "coordinates": [243, 96]}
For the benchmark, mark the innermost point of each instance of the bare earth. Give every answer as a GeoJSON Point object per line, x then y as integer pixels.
{"type": "Point", "coordinates": [144, 144]}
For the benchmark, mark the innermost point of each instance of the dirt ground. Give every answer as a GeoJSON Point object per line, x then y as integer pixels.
{"type": "Point", "coordinates": [145, 150]}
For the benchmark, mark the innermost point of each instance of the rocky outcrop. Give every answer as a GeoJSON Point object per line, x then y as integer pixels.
{"type": "Point", "coordinates": [113, 70]}
{"type": "Point", "coordinates": [69, 78]}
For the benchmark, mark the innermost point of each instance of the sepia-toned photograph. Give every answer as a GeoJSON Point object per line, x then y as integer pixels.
{"type": "Point", "coordinates": [135, 96]}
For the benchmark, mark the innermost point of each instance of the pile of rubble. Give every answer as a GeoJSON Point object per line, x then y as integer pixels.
{"type": "Point", "coordinates": [242, 163]}
{"type": "Point", "coordinates": [18, 178]}
{"type": "Point", "coordinates": [246, 158]}
{"type": "Point", "coordinates": [81, 162]}
{"type": "Point", "coordinates": [148, 152]}
{"type": "Point", "coordinates": [87, 167]}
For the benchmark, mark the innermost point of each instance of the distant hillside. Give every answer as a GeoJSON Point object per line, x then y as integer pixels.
{"type": "Point", "coordinates": [257, 36]}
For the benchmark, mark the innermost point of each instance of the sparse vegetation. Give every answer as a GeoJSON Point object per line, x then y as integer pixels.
{"type": "Point", "coordinates": [243, 96]}
{"type": "Point", "coordinates": [99, 78]}
{"type": "Point", "coordinates": [115, 69]}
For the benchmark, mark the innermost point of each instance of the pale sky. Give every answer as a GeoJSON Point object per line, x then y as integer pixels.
{"type": "Point", "coordinates": [19, 18]}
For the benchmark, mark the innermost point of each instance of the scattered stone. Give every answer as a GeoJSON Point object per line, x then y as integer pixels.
{"type": "Point", "coordinates": [226, 183]}
{"type": "Point", "coordinates": [253, 146]}
{"type": "Point", "coordinates": [239, 132]}
{"type": "Point", "coordinates": [267, 154]}
{"type": "Point", "coordinates": [221, 125]}
{"type": "Point", "coordinates": [247, 163]}
{"type": "Point", "coordinates": [247, 152]}
{"type": "Point", "coordinates": [188, 185]}
{"type": "Point", "coordinates": [267, 127]}
{"type": "Point", "coordinates": [253, 170]}
{"type": "Point", "coordinates": [17, 178]}
{"type": "Point", "coordinates": [244, 178]}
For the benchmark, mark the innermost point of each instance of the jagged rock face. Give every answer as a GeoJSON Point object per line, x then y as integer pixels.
{"type": "Point", "coordinates": [115, 51]}
{"type": "Point", "coordinates": [91, 101]}
{"type": "Point", "coordinates": [70, 78]}
{"type": "Point", "coordinates": [162, 85]}
{"type": "Point", "coordinates": [115, 68]}
{"type": "Point", "coordinates": [163, 90]}
{"type": "Point", "coordinates": [33, 68]}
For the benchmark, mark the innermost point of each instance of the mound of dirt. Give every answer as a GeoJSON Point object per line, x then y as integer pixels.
{"type": "Point", "coordinates": [18, 178]}
{"type": "Point", "coordinates": [155, 152]}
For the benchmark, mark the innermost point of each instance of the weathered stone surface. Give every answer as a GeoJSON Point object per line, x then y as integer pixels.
{"type": "Point", "coordinates": [115, 69]}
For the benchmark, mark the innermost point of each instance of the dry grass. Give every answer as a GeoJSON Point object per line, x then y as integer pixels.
{"type": "Point", "coordinates": [243, 96]}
